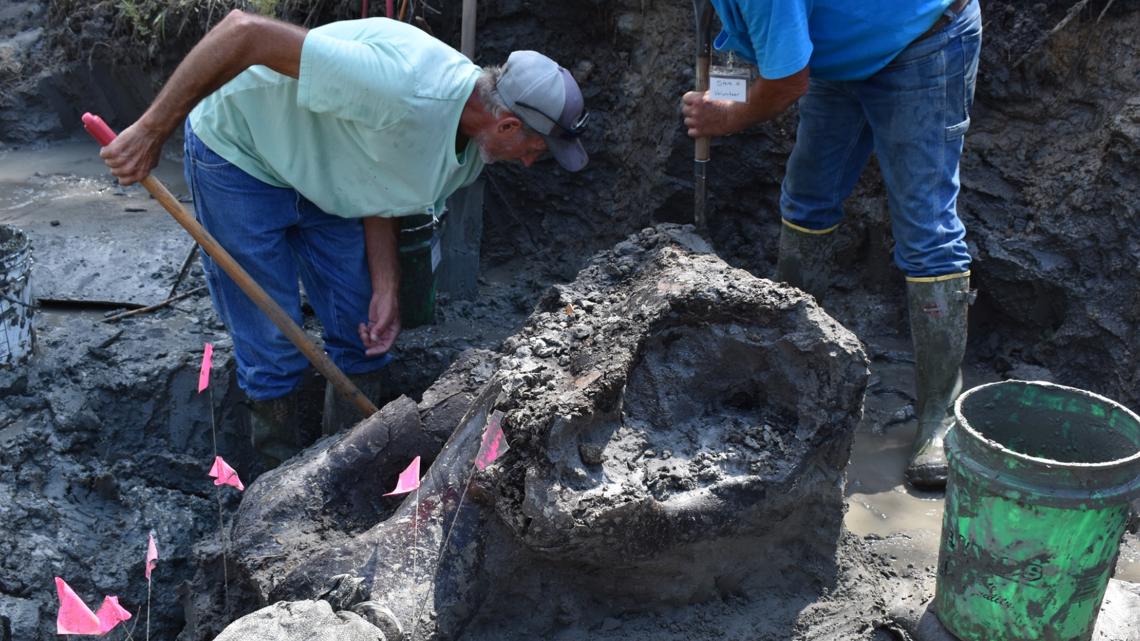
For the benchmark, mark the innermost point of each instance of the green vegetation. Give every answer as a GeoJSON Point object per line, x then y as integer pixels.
{"type": "Point", "coordinates": [159, 20]}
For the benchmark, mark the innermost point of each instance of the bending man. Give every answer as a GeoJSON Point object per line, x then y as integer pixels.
{"type": "Point", "coordinates": [302, 148]}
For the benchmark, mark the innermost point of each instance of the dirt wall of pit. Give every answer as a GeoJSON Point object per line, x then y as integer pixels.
{"type": "Point", "coordinates": [1049, 177]}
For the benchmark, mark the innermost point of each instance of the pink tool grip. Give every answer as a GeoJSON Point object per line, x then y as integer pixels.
{"type": "Point", "coordinates": [98, 129]}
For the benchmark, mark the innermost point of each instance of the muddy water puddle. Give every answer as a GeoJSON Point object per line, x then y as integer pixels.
{"type": "Point", "coordinates": [92, 240]}
{"type": "Point", "coordinates": [878, 501]}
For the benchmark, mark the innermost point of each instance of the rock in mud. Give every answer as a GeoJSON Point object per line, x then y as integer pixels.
{"type": "Point", "coordinates": [307, 620]}
{"type": "Point", "coordinates": [678, 428]}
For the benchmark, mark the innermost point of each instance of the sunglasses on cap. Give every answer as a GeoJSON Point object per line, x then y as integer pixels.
{"type": "Point", "coordinates": [568, 133]}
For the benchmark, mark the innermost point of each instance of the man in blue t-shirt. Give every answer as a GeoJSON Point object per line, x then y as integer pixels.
{"type": "Point", "coordinates": [892, 77]}
{"type": "Point", "coordinates": [303, 147]}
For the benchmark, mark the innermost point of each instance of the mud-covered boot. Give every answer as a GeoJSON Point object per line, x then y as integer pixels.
{"type": "Point", "coordinates": [340, 414]}
{"type": "Point", "coordinates": [804, 258]}
{"type": "Point", "coordinates": [277, 429]}
{"type": "Point", "coordinates": [938, 329]}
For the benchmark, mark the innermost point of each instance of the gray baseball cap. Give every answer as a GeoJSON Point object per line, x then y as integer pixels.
{"type": "Point", "coordinates": [546, 97]}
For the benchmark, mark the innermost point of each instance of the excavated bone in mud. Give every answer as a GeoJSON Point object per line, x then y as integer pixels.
{"type": "Point", "coordinates": [332, 492]}
{"type": "Point", "coordinates": [669, 418]}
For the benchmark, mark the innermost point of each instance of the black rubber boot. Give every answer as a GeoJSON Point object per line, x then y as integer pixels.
{"type": "Point", "coordinates": [340, 414]}
{"type": "Point", "coordinates": [277, 429]}
{"type": "Point", "coordinates": [804, 258]}
{"type": "Point", "coordinates": [938, 330]}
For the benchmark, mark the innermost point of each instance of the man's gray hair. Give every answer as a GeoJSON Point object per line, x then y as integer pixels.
{"type": "Point", "coordinates": [487, 86]}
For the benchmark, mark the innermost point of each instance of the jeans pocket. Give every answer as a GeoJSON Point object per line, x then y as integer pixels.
{"type": "Point", "coordinates": [206, 159]}
{"type": "Point", "coordinates": [957, 130]}
{"type": "Point", "coordinates": [202, 156]}
{"type": "Point", "coordinates": [961, 67]}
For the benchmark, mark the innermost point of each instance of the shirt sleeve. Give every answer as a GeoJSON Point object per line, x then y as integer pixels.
{"type": "Point", "coordinates": [734, 30]}
{"type": "Point", "coordinates": [357, 80]}
{"type": "Point", "coordinates": [778, 30]}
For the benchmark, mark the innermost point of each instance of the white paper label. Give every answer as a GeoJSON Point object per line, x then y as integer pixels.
{"type": "Point", "coordinates": [734, 88]}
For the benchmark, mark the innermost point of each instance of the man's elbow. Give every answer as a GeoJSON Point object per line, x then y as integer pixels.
{"type": "Point", "coordinates": [797, 85]}
{"type": "Point", "coordinates": [238, 24]}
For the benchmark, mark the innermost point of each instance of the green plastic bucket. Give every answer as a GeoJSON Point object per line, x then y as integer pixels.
{"type": "Point", "coordinates": [1041, 476]}
{"type": "Point", "coordinates": [419, 263]}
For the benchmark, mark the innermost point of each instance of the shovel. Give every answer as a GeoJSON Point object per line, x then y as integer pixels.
{"type": "Point", "coordinates": [703, 11]}
{"type": "Point", "coordinates": [103, 135]}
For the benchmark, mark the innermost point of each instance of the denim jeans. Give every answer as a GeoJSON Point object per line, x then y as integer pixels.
{"type": "Point", "coordinates": [278, 236]}
{"type": "Point", "coordinates": [913, 115]}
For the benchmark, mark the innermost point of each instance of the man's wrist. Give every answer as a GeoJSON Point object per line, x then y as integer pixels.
{"type": "Point", "coordinates": [158, 125]}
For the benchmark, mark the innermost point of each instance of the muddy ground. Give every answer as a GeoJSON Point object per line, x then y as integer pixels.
{"type": "Point", "coordinates": [103, 437]}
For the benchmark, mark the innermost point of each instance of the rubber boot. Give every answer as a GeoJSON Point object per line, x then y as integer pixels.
{"type": "Point", "coordinates": [277, 429]}
{"type": "Point", "coordinates": [938, 330]}
{"type": "Point", "coordinates": [803, 259]}
{"type": "Point", "coordinates": [340, 414]}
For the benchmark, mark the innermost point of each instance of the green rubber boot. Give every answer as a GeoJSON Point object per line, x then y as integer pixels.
{"type": "Point", "coordinates": [277, 429]}
{"type": "Point", "coordinates": [938, 329]}
{"type": "Point", "coordinates": [340, 414]}
{"type": "Point", "coordinates": [803, 258]}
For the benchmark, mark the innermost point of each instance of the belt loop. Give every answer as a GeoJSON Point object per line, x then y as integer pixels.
{"type": "Point", "coordinates": [956, 8]}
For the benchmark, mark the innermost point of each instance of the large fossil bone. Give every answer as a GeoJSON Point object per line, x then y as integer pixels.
{"type": "Point", "coordinates": [677, 426]}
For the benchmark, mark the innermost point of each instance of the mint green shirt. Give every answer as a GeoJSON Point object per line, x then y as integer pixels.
{"type": "Point", "coordinates": [368, 129]}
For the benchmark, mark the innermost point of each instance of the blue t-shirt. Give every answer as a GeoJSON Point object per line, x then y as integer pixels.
{"type": "Point", "coordinates": [838, 39]}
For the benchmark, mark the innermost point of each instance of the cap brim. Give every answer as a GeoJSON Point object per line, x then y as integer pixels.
{"type": "Point", "coordinates": [569, 153]}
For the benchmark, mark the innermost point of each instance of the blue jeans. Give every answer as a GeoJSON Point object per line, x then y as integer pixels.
{"type": "Point", "coordinates": [278, 236]}
{"type": "Point", "coordinates": [913, 115]}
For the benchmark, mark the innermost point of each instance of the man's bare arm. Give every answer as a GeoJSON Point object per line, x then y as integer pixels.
{"type": "Point", "coordinates": [766, 100]}
{"type": "Point", "coordinates": [381, 249]}
{"type": "Point", "coordinates": [236, 43]}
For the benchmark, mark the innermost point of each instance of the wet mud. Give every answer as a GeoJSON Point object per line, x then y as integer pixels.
{"type": "Point", "coordinates": [102, 436]}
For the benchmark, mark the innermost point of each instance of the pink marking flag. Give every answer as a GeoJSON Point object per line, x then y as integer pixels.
{"type": "Point", "coordinates": [409, 479]}
{"type": "Point", "coordinates": [224, 474]}
{"type": "Point", "coordinates": [151, 555]}
{"type": "Point", "coordinates": [110, 614]}
{"type": "Point", "coordinates": [76, 618]}
{"type": "Point", "coordinates": [204, 373]}
{"type": "Point", "coordinates": [494, 443]}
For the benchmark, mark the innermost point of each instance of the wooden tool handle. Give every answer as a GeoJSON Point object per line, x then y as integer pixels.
{"type": "Point", "coordinates": [104, 135]}
{"type": "Point", "coordinates": [702, 152]}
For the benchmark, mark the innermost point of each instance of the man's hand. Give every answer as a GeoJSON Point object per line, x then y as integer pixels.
{"type": "Point", "coordinates": [766, 100]}
{"type": "Point", "coordinates": [134, 153]}
{"type": "Point", "coordinates": [380, 247]}
{"type": "Point", "coordinates": [707, 117]}
{"type": "Point", "coordinates": [383, 325]}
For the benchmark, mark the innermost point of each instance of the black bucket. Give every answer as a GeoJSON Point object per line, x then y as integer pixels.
{"type": "Point", "coordinates": [419, 265]}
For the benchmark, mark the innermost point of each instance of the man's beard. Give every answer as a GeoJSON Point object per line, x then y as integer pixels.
{"type": "Point", "coordinates": [487, 156]}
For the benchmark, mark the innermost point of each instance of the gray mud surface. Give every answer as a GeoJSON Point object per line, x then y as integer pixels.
{"type": "Point", "coordinates": [103, 436]}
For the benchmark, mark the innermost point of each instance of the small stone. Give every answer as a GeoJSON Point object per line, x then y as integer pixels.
{"type": "Point", "coordinates": [591, 453]}
{"type": "Point", "coordinates": [582, 332]}
{"type": "Point", "coordinates": [100, 353]}
{"type": "Point", "coordinates": [627, 24]}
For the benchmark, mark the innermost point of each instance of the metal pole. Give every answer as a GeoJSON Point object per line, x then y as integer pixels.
{"type": "Point", "coordinates": [467, 33]}
{"type": "Point", "coordinates": [703, 11]}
